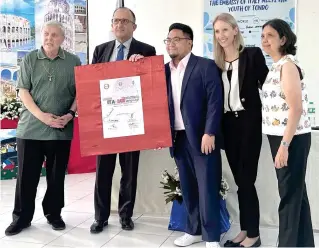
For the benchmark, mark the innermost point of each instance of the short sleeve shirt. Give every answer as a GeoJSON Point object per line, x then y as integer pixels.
{"type": "Point", "coordinates": [51, 84]}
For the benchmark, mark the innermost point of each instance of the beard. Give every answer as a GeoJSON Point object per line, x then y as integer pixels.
{"type": "Point", "coordinates": [173, 56]}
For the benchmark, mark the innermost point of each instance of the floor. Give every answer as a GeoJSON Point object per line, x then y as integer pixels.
{"type": "Point", "coordinates": [150, 231]}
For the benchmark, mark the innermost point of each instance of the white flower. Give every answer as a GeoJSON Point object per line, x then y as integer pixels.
{"type": "Point", "coordinates": [164, 174]}
{"type": "Point", "coordinates": [178, 191]}
{"type": "Point", "coordinates": [10, 108]}
{"type": "Point", "coordinates": [165, 177]}
{"type": "Point", "coordinates": [224, 188]}
{"type": "Point", "coordinates": [176, 177]}
{"type": "Point", "coordinates": [223, 195]}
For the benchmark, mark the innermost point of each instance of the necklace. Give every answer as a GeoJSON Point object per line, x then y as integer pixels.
{"type": "Point", "coordinates": [50, 75]}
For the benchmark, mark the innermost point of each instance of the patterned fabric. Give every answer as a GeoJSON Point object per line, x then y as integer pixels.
{"type": "Point", "coordinates": [274, 106]}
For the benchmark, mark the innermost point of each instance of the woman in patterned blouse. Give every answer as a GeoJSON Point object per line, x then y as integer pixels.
{"type": "Point", "coordinates": [287, 125]}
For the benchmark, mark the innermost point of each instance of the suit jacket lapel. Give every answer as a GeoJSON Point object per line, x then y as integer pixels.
{"type": "Point", "coordinates": [169, 86]}
{"type": "Point", "coordinates": [170, 94]}
{"type": "Point", "coordinates": [132, 49]}
{"type": "Point", "coordinates": [109, 51]}
{"type": "Point", "coordinates": [242, 68]}
{"type": "Point", "coordinates": [220, 73]}
{"type": "Point", "coordinates": [188, 71]}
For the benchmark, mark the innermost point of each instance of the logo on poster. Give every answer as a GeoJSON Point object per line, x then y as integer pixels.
{"type": "Point", "coordinates": [106, 86]}
{"type": "Point", "coordinates": [256, 20]}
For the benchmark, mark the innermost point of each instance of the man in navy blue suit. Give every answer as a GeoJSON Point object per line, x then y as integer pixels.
{"type": "Point", "coordinates": [195, 107]}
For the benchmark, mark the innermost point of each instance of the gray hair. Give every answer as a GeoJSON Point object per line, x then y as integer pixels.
{"type": "Point", "coordinates": [55, 24]}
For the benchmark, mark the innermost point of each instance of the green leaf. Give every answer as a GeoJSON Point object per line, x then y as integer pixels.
{"type": "Point", "coordinates": [170, 198]}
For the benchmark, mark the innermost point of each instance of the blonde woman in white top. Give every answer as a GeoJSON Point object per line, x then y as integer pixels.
{"type": "Point", "coordinates": [287, 125]}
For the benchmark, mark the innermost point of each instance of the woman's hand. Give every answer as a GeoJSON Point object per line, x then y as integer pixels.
{"type": "Point", "coordinates": [281, 158]}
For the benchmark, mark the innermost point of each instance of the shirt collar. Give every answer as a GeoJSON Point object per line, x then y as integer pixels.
{"type": "Point", "coordinates": [126, 44]}
{"type": "Point", "coordinates": [41, 54]}
{"type": "Point", "coordinates": [184, 62]}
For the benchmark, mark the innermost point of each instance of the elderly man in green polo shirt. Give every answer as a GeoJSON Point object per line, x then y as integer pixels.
{"type": "Point", "coordinates": [47, 89]}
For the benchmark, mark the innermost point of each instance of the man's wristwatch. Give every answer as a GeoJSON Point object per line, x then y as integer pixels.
{"type": "Point", "coordinates": [284, 143]}
{"type": "Point", "coordinates": [72, 113]}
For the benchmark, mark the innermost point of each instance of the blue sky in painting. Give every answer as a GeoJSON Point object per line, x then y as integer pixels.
{"type": "Point", "coordinates": [80, 2]}
{"type": "Point", "coordinates": [24, 8]}
{"type": "Point", "coordinates": [7, 133]}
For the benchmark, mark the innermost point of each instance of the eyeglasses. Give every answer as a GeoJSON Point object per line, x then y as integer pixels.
{"type": "Point", "coordinates": [174, 40]}
{"type": "Point", "coordinates": [122, 21]}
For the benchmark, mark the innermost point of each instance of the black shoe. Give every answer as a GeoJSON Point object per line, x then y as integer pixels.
{"type": "Point", "coordinates": [15, 228]}
{"type": "Point", "coordinates": [57, 224]}
{"type": "Point", "coordinates": [256, 244]}
{"type": "Point", "coordinates": [98, 226]}
{"type": "Point", "coordinates": [230, 243]}
{"type": "Point", "coordinates": [127, 224]}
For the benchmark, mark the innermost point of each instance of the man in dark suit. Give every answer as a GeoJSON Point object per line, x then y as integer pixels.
{"type": "Point", "coordinates": [195, 107]}
{"type": "Point", "coordinates": [123, 47]}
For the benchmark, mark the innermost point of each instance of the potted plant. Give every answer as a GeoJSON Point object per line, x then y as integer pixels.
{"type": "Point", "coordinates": [173, 193]}
{"type": "Point", "coordinates": [11, 108]}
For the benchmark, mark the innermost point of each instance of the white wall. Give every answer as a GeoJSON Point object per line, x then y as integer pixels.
{"type": "Point", "coordinates": [308, 40]}
{"type": "Point", "coordinates": [153, 19]}
{"type": "Point", "coordinates": [155, 16]}
{"type": "Point", "coordinates": [99, 22]}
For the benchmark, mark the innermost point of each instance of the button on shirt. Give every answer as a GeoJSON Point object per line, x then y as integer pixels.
{"type": "Point", "coordinates": [126, 44]}
{"type": "Point", "coordinates": [177, 75]}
